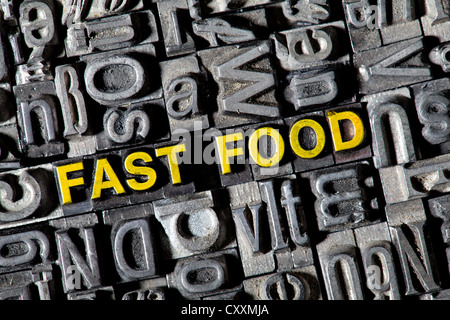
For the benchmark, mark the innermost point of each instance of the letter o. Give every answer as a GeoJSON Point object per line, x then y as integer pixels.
{"type": "Point", "coordinates": [295, 143]}
{"type": "Point", "coordinates": [253, 147]}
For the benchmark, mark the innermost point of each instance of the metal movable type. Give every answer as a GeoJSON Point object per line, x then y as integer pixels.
{"type": "Point", "coordinates": [74, 112]}
{"type": "Point", "coordinates": [350, 132]}
{"type": "Point", "coordinates": [37, 22]}
{"type": "Point", "coordinates": [345, 196]}
{"type": "Point", "coordinates": [133, 125]}
{"type": "Point", "coordinates": [72, 259]}
{"type": "Point", "coordinates": [415, 180]}
{"type": "Point", "coordinates": [259, 215]}
{"type": "Point", "coordinates": [338, 261]}
{"type": "Point", "coordinates": [28, 196]}
{"type": "Point", "coordinates": [193, 224]}
{"type": "Point", "coordinates": [439, 208]}
{"type": "Point", "coordinates": [216, 6]}
{"type": "Point", "coordinates": [103, 293]}
{"type": "Point", "coordinates": [432, 102]}
{"type": "Point", "coordinates": [310, 142]}
{"type": "Point", "coordinates": [408, 232]}
{"type": "Point", "coordinates": [296, 284]}
{"type": "Point", "coordinates": [268, 155]}
{"type": "Point", "coordinates": [34, 284]}
{"type": "Point", "coordinates": [206, 275]}
{"type": "Point", "coordinates": [73, 179]}
{"type": "Point", "coordinates": [311, 46]}
{"type": "Point", "coordinates": [145, 294]}
{"type": "Point", "coordinates": [38, 71]}
{"type": "Point", "coordinates": [379, 69]}
{"type": "Point", "coordinates": [37, 119]}
{"type": "Point", "coordinates": [438, 295]}
{"type": "Point", "coordinates": [304, 91]}
{"type": "Point", "coordinates": [435, 21]}
{"type": "Point", "coordinates": [175, 165]}
{"type": "Point", "coordinates": [392, 141]}
{"type": "Point", "coordinates": [24, 249]}
{"type": "Point", "coordinates": [231, 29]}
{"type": "Point", "coordinates": [289, 14]}
{"type": "Point", "coordinates": [182, 81]}
{"type": "Point", "coordinates": [9, 146]}
{"type": "Point", "coordinates": [439, 55]}
{"type": "Point", "coordinates": [374, 242]}
{"type": "Point", "coordinates": [361, 18]}
{"type": "Point", "coordinates": [176, 28]}
{"type": "Point", "coordinates": [246, 82]}
{"type": "Point", "coordinates": [121, 77]}
{"type": "Point", "coordinates": [132, 241]}
{"type": "Point", "coordinates": [75, 11]}
{"type": "Point", "coordinates": [7, 9]}
{"type": "Point", "coordinates": [111, 33]}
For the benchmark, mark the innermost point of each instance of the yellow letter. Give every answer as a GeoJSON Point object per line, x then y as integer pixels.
{"type": "Point", "coordinates": [224, 153]}
{"type": "Point", "coordinates": [171, 153]}
{"type": "Point", "coordinates": [103, 166]}
{"type": "Point", "coordinates": [358, 129]}
{"type": "Point", "coordinates": [65, 183]}
{"type": "Point", "coordinates": [295, 143]}
{"type": "Point", "coordinates": [254, 151]}
{"type": "Point", "coordinates": [146, 171]}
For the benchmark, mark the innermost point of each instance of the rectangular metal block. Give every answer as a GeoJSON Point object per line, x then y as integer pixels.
{"type": "Point", "coordinates": [378, 68]}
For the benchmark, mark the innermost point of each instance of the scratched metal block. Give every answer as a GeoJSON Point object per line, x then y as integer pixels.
{"type": "Point", "coordinates": [176, 27]}
{"type": "Point", "coordinates": [135, 124]}
{"type": "Point", "coordinates": [409, 233]}
{"type": "Point", "coordinates": [225, 6]}
{"type": "Point", "coordinates": [392, 66]}
{"type": "Point", "coordinates": [415, 180]}
{"type": "Point", "coordinates": [99, 294]}
{"type": "Point", "coordinates": [310, 141]}
{"type": "Point", "coordinates": [278, 238]}
{"type": "Point", "coordinates": [438, 295]}
{"type": "Point", "coordinates": [346, 196]}
{"type": "Point", "coordinates": [432, 102]}
{"type": "Point", "coordinates": [72, 234]}
{"type": "Point", "coordinates": [350, 131]}
{"type": "Point", "coordinates": [312, 46]}
{"type": "Point", "coordinates": [392, 139]}
{"type": "Point", "coordinates": [377, 252]}
{"type": "Point", "coordinates": [37, 118]}
{"type": "Point", "coordinates": [361, 19]}
{"type": "Point", "coordinates": [25, 248]}
{"type": "Point", "coordinates": [340, 268]}
{"type": "Point", "coordinates": [106, 71]}
{"type": "Point", "coordinates": [77, 10]}
{"type": "Point", "coordinates": [295, 284]}
{"type": "Point", "coordinates": [111, 33]}
{"type": "Point", "coordinates": [28, 196]}
{"type": "Point", "coordinates": [435, 20]}
{"type": "Point", "coordinates": [132, 241]}
{"type": "Point", "coordinates": [183, 84]}
{"type": "Point", "coordinates": [193, 224]}
{"type": "Point", "coordinates": [288, 14]}
{"type": "Point", "coordinates": [207, 275]}
{"type": "Point", "coordinates": [246, 83]}
{"type": "Point", "coordinates": [440, 209]}
{"type": "Point", "coordinates": [34, 284]}
{"type": "Point", "coordinates": [231, 28]}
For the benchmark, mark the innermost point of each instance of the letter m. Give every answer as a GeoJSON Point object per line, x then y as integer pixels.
{"type": "Point", "coordinates": [235, 73]}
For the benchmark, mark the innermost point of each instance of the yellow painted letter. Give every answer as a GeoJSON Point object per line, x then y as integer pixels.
{"type": "Point", "coordinates": [254, 150]}
{"type": "Point", "coordinates": [65, 183]}
{"type": "Point", "coordinates": [103, 166]}
{"type": "Point", "coordinates": [225, 153]}
{"type": "Point", "coordinates": [171, 153]}
{"type": "Point", "coordinates": [295, 143]}
{"type": "Point", "coordinates": [145, 171]}
{"type": "Point", "coordinates": [358, 130]}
